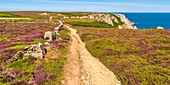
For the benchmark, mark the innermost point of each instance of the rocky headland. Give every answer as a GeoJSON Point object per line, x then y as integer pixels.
{"type": "Point", "coordinates": [117, 20]}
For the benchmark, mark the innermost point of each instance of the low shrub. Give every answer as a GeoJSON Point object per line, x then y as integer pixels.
{"type": "Point", "coordinates": [40, 77]}
{"type": "Point", "coordinates": [5, 14]}
{"type": "Point", "coordinates": [137, 57]}
{"type": "Point", "coordinates": [91, 24]}
{"type": "Point", "coordinates": [23, 64]}
{"type": "Point", "coordinates": [18, 47]}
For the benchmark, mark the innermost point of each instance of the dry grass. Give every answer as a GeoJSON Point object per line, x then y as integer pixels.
{"type": "Point", "coordinates": [52, 53]}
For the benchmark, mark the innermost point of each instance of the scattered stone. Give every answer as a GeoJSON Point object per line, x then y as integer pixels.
{"type": "Point", "coordinates": [91, 16]}
{"type": "Point", "coordinates": [41, 48]}
{"type": "Point", "coordinates": [44, 13]}
{"type": "Point", "coordinates": [135, 27]}
{"type": "Point", "coordinates": [37, 55]}
{"type": "Point", "coordinates": [51, 19]}
{"type": "Point", "coordinates": [119, 27]}
{"type": "Point", "coordinates": [10, 60]}
{"type": "Point", "coordinates": [18, 55]}
{"type": "Point", "coordinates": [73, 17]}
{"type": "Point", "coordinates": [46, 44]}
{"type": "Point", "coordinates": [65, 17]}
{"type": "Point", "coordinates": [37, 51]}
{"type": "Point", "coordinates": [26, 48]}
{"type": "Point", "coordinates": [49, 36]}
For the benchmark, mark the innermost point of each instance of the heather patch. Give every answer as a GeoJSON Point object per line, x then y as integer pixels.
{"type": "Point", "coordinates": [28, 69]}
{"type": "Point", "coordinates": [135, 56]}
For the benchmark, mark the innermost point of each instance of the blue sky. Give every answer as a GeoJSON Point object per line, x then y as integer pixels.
{"type": "Point", "coordinates": [86, 5]}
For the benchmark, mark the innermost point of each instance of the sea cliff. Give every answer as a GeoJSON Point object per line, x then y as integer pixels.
{"type": "Point", "coordinates": [117, 20]}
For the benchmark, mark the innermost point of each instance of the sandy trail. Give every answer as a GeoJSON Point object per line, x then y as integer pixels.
{"type": "Point", "coordinates": [83, 69]}
{"type": "Point", "coordinates": [72, 67]}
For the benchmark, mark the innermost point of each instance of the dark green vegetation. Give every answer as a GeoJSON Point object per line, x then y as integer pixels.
{"type": "Point", "coordinates": [14, 37]}
{"type": "Point", "coordinates": [91, 24]}
{"type": "Point", "coordinates": [5, 14]}
{"type": "Point", "coordinates": [28, 16]}
{"type": "Point", "coordinates": [119, 21]}
{"type": "Point", "coordinates": [137, 57]}
{"type": "Point", "coordinates": [98, 24]}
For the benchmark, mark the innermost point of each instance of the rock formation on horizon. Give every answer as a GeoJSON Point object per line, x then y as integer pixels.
{"type": "Point", "coordinates": [127, 23]}
{"type": "Point", "coordinates": [117, 20]}
{"type": "Point", "coordinates": [159, 27]}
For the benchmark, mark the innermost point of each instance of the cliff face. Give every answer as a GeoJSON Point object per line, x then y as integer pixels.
{"type": "Point", "coordinates": [127, 24]}
{"type": "Point", "coordinates": [117, 20]}
{"type": "Point", "coordinates": [102, 17]}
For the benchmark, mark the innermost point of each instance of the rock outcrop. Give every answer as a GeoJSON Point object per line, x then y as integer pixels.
{"type": "Point", "coordinates": [102, 17]}
{"type": "Point", "coordinates": [109, 19]}
{"type": "Point", "coordinates": [95, 16]}
{"type": "Point", "coordinates": [37, 51]}
{"type": "Point", "coordinates": [49, 36]}
{"type": "Point", "coordinates": [44, 14]}
{"type": "Point", "coordinates": [127, 24]}
{"type": "Point", "coordinates": [159, 27]}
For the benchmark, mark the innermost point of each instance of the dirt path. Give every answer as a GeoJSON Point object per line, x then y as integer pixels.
{"type": "Point", "coordinates": [83, 69]}
{"type": "Point", "coordinates": [72, 67]}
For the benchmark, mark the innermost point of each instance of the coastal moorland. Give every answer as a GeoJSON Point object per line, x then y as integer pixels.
{"type": "Point", "coordinates": [136, 57]}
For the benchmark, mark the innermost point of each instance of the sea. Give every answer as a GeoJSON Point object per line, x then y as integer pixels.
{"type": "Point", "coordinates": [148, 20]}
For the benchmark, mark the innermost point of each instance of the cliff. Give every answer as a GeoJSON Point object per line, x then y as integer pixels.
{"type": "Point", "coordinates": [116, 20]}
{"type": "Point", "coordinates": [127, 23]}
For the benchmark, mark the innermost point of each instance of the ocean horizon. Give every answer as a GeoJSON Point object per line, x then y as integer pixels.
{"type": "Point", "coordinates": [146, 20]}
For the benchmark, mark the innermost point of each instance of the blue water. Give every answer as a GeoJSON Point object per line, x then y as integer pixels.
{"type": "Point", "coordinates": [149, 20]}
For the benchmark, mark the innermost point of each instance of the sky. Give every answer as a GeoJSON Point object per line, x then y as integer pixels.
{"type": "Point", "coordinates": [86, 5]}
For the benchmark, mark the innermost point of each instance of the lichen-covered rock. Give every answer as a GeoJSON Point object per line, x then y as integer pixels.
{"type": "Point", "coordinates": [38, 55]}
{"type": "Point", "coordinates": [37, 51]}
{"type": "Point", "coordinates": [49, 36]}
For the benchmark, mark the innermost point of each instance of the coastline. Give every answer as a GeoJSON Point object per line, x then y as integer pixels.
{"type": "Point", "coordinates": [148, 20]}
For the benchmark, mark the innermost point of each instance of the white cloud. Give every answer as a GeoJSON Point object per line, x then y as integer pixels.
{"type": "Point", "coordinates": [105, 3]}
{"type": "Point", "coordinates": [67, 5]}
